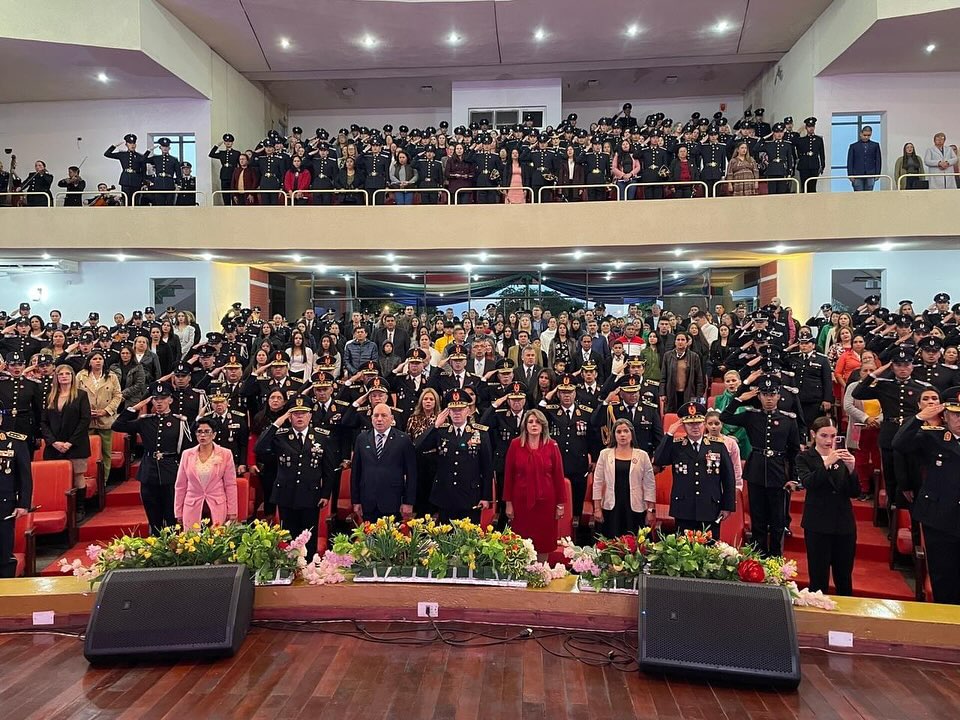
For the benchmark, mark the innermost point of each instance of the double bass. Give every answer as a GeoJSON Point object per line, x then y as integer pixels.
{"type": "Point", "coordinates": [13, 185]}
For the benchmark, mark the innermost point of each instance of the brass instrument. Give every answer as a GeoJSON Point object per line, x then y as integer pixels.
{"type": "Point", "coordinates": [664, 172]}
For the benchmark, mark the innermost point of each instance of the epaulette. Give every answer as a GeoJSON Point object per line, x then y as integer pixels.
{"type": "Point", "coordinates": [180, 417]}
{"type": "Point", "coordinates": [16, 435]}
{"type": "Point", "coordinates": [678, 439]}
{"type": "Point", "coordinates": [921, 382]}
{"type": "Point", "coordinates": [586, 408]}
{"type": "Point", "coordinates": [749, 408]}
{"type": "Point", "coordinates": [649, 404]}
{"type": "Point", "coordinates": [789, 414]}
{"type": "Point", "coordinates": [922, 427]}
{"type": "Point", "coordinates": [706, 440]}
{"type": "Point", "coordinates": [478, 426]}
{"type": "Point", "coordinates": [341, 402]}
{"type": "Point", "coordinates": [549, 407]}
{"type": "Point", "coordinates": [283, 431]}
{"type": "Point", "coordinates": [238, 413]}
{"type": "Point", "coordinates": [790, 389]}
{"type": "Point", "coordinates": [321, 431]}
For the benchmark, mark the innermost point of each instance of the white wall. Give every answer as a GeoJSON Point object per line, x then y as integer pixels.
{"type": "Point", "coordinates": [546, 93]}
{"type": "Point", "coordinates": [107, 287]}
{"type": "Point", "coordinates": [333, 120]}
{"type": "Point", "coordinates": [48, 131]}
{"type": "Point", "coordinates": [679, 109]}
{"type": "Point", "coordinates": [909, 274]}
{"type": "Point", "coordinates": [916, 107]}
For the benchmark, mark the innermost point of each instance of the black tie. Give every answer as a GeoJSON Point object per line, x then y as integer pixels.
{"type": "Point", "coordinates": [380, 441]}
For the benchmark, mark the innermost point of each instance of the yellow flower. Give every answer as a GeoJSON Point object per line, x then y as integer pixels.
{"type": "Point", "coordinates": [489, 528]}
{"type": "Point", "coordinates": [147, 554]}
{"type": "Point", "coordinates": [192, 548]}
{"type": "Point", "coordinates": [151, 540]}
{"type": "Point", "coordinates": [179, 551]}
{"type": "Point", "coordinates": [196, 526]}
{"type": "Point", "coordinates": [232, 545]}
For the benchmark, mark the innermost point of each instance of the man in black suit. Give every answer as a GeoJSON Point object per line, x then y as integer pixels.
{"type": "Point", "coordinates": [314, 326]}
{"type": "Point", "coordinates": [389, 331]}
{"type": "Point", "coordinates": [383, 480]}
{"type": "Point", "coordinates": [528, 369]}
{"type": "Point", "coordinates": [587, 355]}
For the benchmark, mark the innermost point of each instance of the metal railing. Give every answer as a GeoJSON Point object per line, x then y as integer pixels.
{"type": "Point", "coordinates": [198, 195]}
{"type": "Point", "coordinates": [336, 192]}
{"type": "Point", "coordinates": [561, 188]}
{"type": "Point", "coordinates": [28, 193]}
{"type": "Point", "coordinates": [720, 183]}
{"type": "Point", "coordinates": [92, 195]}
{"type": "Point", "coordinates": [502, 190]}
{"type": "Point", "coordinates": [806, 184]}
{"type": "Point", "coordinates": [226, 193]}
{"type": "Point", "coordinates": [900, 183]}
{"type": "Point", "coordinates": [665, 184]}
{"type": "Point", "coordinates": [390, 191]}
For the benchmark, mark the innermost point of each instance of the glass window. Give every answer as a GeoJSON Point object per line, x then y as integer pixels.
{"type": "Point", "coordinates": [182, 146]}
{"type": "Point", "coordinates": [845, 129]}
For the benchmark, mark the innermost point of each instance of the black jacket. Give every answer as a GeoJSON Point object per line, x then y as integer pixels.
{"type": "Point", "coordinates": [827, 507]}
{"type": "Point", "coordinates": [67, 425]}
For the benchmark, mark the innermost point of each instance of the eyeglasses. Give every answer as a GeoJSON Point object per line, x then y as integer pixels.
{"type": "Point", "coordinates": [204, 432]}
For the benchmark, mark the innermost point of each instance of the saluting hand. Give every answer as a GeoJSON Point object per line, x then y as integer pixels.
{"type": "Point", "coordinates": [673, 428]}
{"type": "Point", "coordinates": [441, 418]}
{"type": "Point", "coordinates": [282, 419]}
{"type": "Point", "coordinates": [748, 395]}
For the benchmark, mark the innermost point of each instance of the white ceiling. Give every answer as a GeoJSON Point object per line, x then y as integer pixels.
{"type": "Point", "coordinates": [674, 37]}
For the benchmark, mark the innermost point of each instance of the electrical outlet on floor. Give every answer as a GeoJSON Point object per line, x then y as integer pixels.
{"type": "Point", "coordinates": [428, 610]}
{"type": "Point", "coordinates": [835, 638]}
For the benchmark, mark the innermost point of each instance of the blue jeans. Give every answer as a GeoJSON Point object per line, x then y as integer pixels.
{"type": "Point", "coordinates": [403, 198]}
{"type": "Point", "coordinates": [861, 184]}
{"type": "Point", "coordinates": [631, 193]}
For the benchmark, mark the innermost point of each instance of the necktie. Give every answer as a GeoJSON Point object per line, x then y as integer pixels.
{"type": "Point", "coordinates": [380, 441]}
{"type": "Point", "coordinates": [390, 335]}
{"type": "Point", "coordinates": [460, 381]}
{"type": "Point", "coordinates": [570, 413]}
{"type": "Point", "coordinates": [529, 373]}
{"type": "Point", "coordinates": [459, 433]}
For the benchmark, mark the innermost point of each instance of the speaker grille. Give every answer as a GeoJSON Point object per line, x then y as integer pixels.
{"type": "Point", "coordinates": [165, 607]}
{"type": "Point", "coordinates": [721, 626]}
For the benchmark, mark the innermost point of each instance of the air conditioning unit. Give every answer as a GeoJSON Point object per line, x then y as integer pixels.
{"type": "Point", "coordinates": [20, 267]}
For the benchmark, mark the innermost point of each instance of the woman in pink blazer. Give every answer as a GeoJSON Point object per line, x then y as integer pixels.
{"type": "Point", "coordinates": [207, 476]}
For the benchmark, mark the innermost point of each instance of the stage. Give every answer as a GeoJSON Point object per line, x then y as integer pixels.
{"type": "Point", "coordinates": [908, 629]}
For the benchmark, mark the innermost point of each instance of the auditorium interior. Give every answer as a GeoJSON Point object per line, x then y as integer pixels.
{"type": "Point", "coordinates": [81, 79]}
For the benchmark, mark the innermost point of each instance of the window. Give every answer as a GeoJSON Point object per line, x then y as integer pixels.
{"type": "Point", "coordinates": [182, 145]}
{"type": "Point", "coordinates": [505, 119]}
{"type": "Point", "coordinates": [845, 129]}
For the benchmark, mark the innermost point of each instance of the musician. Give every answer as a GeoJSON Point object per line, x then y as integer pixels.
{"type": "Point", "coordinates": [104, 198]}
{"type": "Point", "coordinates": [187, 184]}
{"type": "Point", "coordinates": [73, 183]}
{"type": "Point", "coordinates": [39, 181]}
{"type": "Point", "coordinates": [133, 164]}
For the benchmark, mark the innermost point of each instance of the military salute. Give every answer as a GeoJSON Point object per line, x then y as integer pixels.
{"type": "Point", "coordinates": [229, 160]}
{"type": "Point", "coordinates": [571, 427]}
{"type": "Point", "coordinates": [167, 173]}
{"type": "Point", "coordinates": [16, 488]}
{"type": "Point", "coordinates": [133, 164]}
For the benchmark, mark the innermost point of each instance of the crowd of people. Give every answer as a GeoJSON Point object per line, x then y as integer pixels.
{"type": "Point", "coordinates": [451, 415]}
{"type": "Point", "coordinates": [616, 157]}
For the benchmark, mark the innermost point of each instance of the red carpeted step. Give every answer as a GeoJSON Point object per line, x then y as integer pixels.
{"type": "Point", "coordinates": [871, 579]}
{"type": "Point", "coordinates": [114, 522]}
{"type": "Point", "coordinates": [134, 469]}
{"type": "Point", "coordinates": [126, 494]}
{"type": "Point", "coordinates": [872, 543]}
{"type": "Point", "coordinates": [861, 510]}
{"type": "Point", "coordinates": [78, 551]}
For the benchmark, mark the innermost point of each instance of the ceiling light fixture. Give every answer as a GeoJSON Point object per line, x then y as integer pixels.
{"type": "Point", "coordinates": [296, 258]}
{"type": "Point", "coordinates": [930, 48]}
{"type": "Point", "coordinates": [780, 249]}
{"type": "Point", "coordinates": [633, 30]}
{"type": "Point", "coordinates": [321, 269]}
{"type": "Point", "coordinates": [369, 41]}
{"type": "Point", "coordinates": [540, 34]}
{"type": "Point", "coordinates": [577, 254]}
{"type": "Point", "coordinates": [121, 257]}
{"type": "Point", "coordinates": [454, 39]}
{"type": "Point", "coordinates": [395, 268]}
{"type": "Point", "coordinates": [618, 264]}
{"type": "Point", "coordinates": [544, 266]}
{"type": "Point", "coordinates": [678, 251]}
{"type": "Point", "coordinates": [722, 26]}
{"type": "Point", "coordinates": [696, 264]}
{"type": "Point", "coordinates": [206, 256]}
{"type": "Point", "coordinates": [102, 77]}
{"type": "Point", "coordinates": [46, 256]}
{"type": "Point", "coordinates": [885, 246]}
{"type": "Point", "coordinates": [483, 256]}
{"type": "Point", "coordinates": [391, 257]}
{"type": "Point", "coordinates": [285, 43]}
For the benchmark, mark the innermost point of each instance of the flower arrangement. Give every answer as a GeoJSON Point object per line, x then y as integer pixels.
{"type": "Point", "coordinates": [268, 550]}
{"type": "Point", "coordinates": [616, 564]}
{"type": "Point", "coordinates": [422, 549]}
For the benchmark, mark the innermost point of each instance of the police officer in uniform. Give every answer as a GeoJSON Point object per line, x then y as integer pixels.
{"type": "Point", "coordinates": [16, 489]}
{"type": "Point", "coordinates": [714, 155]}
{"type": "Point", "coordinates": [271, 168]}
{"type": "Point", "coordinates": [187, 184]}
{"type": "Point", "coordinates": [489, 170]}
{"type": "Point", "coordinates": [655, 161]}
{"type": "Point", "coordinates": [133, 164]}
{"type": "Point", "coordinates": [812, 377]}
{"type": "Point", "coordinates": [21, 398]}
{"type": "Point", "coordinates": [375, 164]}
{"type": "Point", "coordinates": [937, 505]}
{"type": "Point", "coordinates": [464, 481]}
{"type": "Point", "coordinates": [704, 487]}
{"type": "Point", "coordinates": [771, 466]}
{"type": "Point", "coordinates": [165, 436]}
{"type": "Point", "coordinates": [811, 156]}
{"type": "Point", "coordinates": [777, 161]}
{"type": "Point", "coordinates": [229, 160]}
{"type": "Point", "coordinates": [625, 403]}
{"type": "Point", "coordinates": [329, 412]}
{"type": "Point", "coordinates": [931, 370]}
{"type": "Point", "coordinates": [167, 173]}
{"type": "Point", "coordinates": [408, 387]}
{"type": "Point", "coordinates": [503, 421]}
{"type": "Point", "coordinates": [230, 426]}
{"type": "Point", "coordinates": [323, 173]}
{"type": "Point", "coordinates": [596, 169]}
{"type": "Point", "coordinates": [899, 397]}
{"type": "Point", "coordinates": [430, 174]}
{"type": "Point", "coordinates": [570, 426]}
{"type": "Point", "coordinates": [305, 469]}
{"type": "Point", "coordinates": [184, 399]}
{"type": "Point", "coordinates": [543, 164]}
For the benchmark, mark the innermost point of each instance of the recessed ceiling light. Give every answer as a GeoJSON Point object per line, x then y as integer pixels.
{"type": "Point", "coordinates": [207, 256]}
{"type": "Point", "coordinates": [102, 77]}
{"type": "Point", "coordinates": [609, 275]}
{"type": "Point", "coordinates": [577, 254]}
{"type": "Point", "coordinates": [296, 258]}
{"type": "Point", "coordinates": [483, 256]}
{"type": "Point", "coordinates": [412, 276]}
{"type": "Point", "coordinates": [321, 269]}
{"type": "Point", "coordinates": [391, 257]}
{"type": "Point", "coordinates": [678, 251]}
{"type": "Point", "coordinates": [540, 34]}
{"type": "Point", "coordinates": [346, 276]}
{"type": "Point", "coordinates": [779, 249]}
{"type": "Point", "coordinates": [476, 277]}
{"type": "Point", "coordinates": [617, 265]}
{"type": "Point", "coordinates": [885, 246]}
{"type": "Point", "coordinates": [332, 292]}
{"type": "Point", "coordinates": [633, 30]}
{"type": "Point", "coordinates": [390, 294]}
{"type": "Point", "coordinates": [395, 268]}
{"type": "Point", "coordinates": [695, 264]}
{"type": "Point", "coordinates": [931, 47]}
{"type": "Point", "coordinates": [722, 26]}
{"type": "Point", "coordinates": [369, 41]}
{"type": "Point", "coordinates": [468, 268]}
{"type": "Point", "coordinates": [46, 256]}
{"type": "Point", "coordinates": [284, 43]}
{"type": "Point", "coordinates": [676, 275]}
{"type": "Point", "coordinates": [121, 257]}
{"type": "Point", "coordinates": [544, 266]}
{"type": "Point", "coordinates": [454, 39]}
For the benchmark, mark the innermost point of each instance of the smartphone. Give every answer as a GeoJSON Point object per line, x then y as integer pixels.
{"type": "Point", "coordinates": [840, 442]}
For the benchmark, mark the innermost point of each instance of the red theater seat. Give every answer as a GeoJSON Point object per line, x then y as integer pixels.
{"type": "Point", "coordinates": [664, 480]}
{"type": "Point", "coordinates": [586, 517]}
{"type": "Point", "coordinates": [120, 454]}
{"type": "Point", "coordinates": [344, 506]}
{"type": "Point", "coordinates": [564, 524]}
{"type": "Point", "coordinates": [94, 477]}
{"type": "Point", "coordinates": [731, 529]}
{"type": "Point", "coordinates": [902, 543]}
{"type": "Point", "coordinates": [55, 498]}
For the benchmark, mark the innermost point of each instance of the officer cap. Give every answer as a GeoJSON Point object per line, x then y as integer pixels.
{"type": "Point", "coordinates": [758, 112]}
{"type": "Point", "coordinates": [302, 404]}
{"type": "Point", "coordinates": [326, 363]}
{"type": "Point", "coordinates": [627, 106]}
{"type": "Point", "coordinates": [87, 337]}
{"type": "Point", "coordinates": [902, 357]}
{"type": "Point", "coordinates": [655, 133]}
{"type": "Point", "coordinates": [214, 337]}
{"type": "Point", "coordinates": [759, 316]}
{"type": "Point", "coordinates": [322, 146]}
{"type": "Point", "coordinates": [403, 129]}
{"type": "Point", "coordinates": [378, 384]}
{"type": "Point", "coordinates": [572, 117]}
{"type": "Point", "coordinates": [430, 149]}
{"type": "Point", "coordinates": [233, 361]}
{"type": "Point", "coordinates": [229, 326]}
{"type": "Point", "coordinates": [130, 138]}
{"type": "Point", "coordinates": [883, 314]}
{"type": "Point", "coordinates": [941, 298]}
{"type": "Point", "coordinates": [14, 358]}
{"type": "Point", "coordinates": [920, 326]}
{"type": "Point", "coordinates": [566, 383]}
{"type": "Point", "coordinates": [805, 336]}
{"type": "Point", "coordinates": [23, 321]}
{"type": "Point", "coordinates": [376, 140]}
{"type": "Point", "coordinates": [388, 128]}
{"type": "Point", "coordinates": [951, 399]}
{"type": "Point", "coordinates": [416, 133]}
{"type": "Point", "coordinates": [150, 309]}
{"type": "Point", "coordinates": [589, 365]}
{"type": "Point", "coordinates": [474, 125]}
{"type": "Point", "coordinates": [543, 137]}
{"type": "Point", "coordinates": [456, 398]}
{"type": "Point", "coordinates": [45, 359]}
{"type": "Point", "coordinates": [582, 133]}
{"type": "Point", "coordinates": [636, 361]}
{"type": "Point", "coordinates": [871, 300]}
{"type": "Point", "coordinates": [903, 321]}
{"type": "Point", "coordinates": [416, 355]}
{"type": "Point", "coordinates": [323, 134]}
{"type": "Point", "coordinates": [930, 343]}
{"type": "Point", "coordinates": [297, 130]}
{"type": "Point", "coordinates": [718, 115]}
{"type": "Point", "coordinates": [629, 383]}
{"type": "Point", "coordinates": [458, 352]}
{"type": "Point", "coordinates": [597, 140]}
{"type": "Point", "coordinates": [164, 142]}
{"type": "Point", "coordinates": [182, 369]}
{"type": "Point", "coordinates": [810, 121]}
{"type": "Point", "coordinates": [160, 390]}
{"type": "Point", "coordinates": [429, 130]}
{"type": "Point", "coordinates": [75, 325]}
{"type": "Point", "coordinates": [516, 392]}
{"type": "Point", "coordinates": [484, 121]}
{"type": "Point", "coordinates": [505, 365]}
{"type": "Point", "coordinates": [444, 125]}
{"type": "Point", "coordinates": [370, 368]}
{"type": "Point", "coordinates": [692, 412]}
{"type": "Point", "coordinates": [714, 130]}
{"type": "Point", "coordinates": [788, 120]}
{"type": "Point", "coordinates": [219, 393]}
{"type": "Point", "coordinates": [227, 137]}
{"type": "Point", "coordinates": [322, 379]}
{"type": "Point", "coordinates": [206, 351]}
{"type": "Point", "coordinates": [779, 127]}
{"type": "Point", "coordinates": [279, 358]}
{"type": "Point", "coordinates": [93, 316]}
{"type": "Point", "coordinates": [769, 385]}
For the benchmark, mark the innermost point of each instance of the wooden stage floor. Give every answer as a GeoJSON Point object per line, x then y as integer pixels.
{"type": "Point", "coordinates": [286, 674]}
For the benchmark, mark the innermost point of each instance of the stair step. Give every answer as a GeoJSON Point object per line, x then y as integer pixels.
{"type": "Point", "coordinates": [115, 522]}
{"type": "Point", "coordinates": [126, 494]}
{"type": "Point", "coordinates": [871, 579]}
{"type": "Point", "coordinates": [872, 543]}
{"type": "Point", "coordinates": [861, 510]}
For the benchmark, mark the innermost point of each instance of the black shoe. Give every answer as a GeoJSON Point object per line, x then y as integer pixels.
{"type": "Point", "coordinates": [862, 497]}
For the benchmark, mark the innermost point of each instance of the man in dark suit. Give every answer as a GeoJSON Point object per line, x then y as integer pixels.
{"type": "Point", "coordinates": [586, 355]}
{"type": "Point", "coordinates": [314, 326]}
{"type": "Point", "coordinates": [389, 331]}
{"type": "Point", "coordinates": [528, 369]}
{"type": "Point", "coordinates": [383, 480]}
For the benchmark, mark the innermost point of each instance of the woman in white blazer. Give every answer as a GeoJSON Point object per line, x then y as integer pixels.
{"type": "Point", "coordinates": [624, 491]}
{"type": "Point", "coordinates": [940, 160]}
{"type": "Point", "coordinates": [207, 476]}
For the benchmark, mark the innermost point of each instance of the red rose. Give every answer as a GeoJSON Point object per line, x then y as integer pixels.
{"type": "Point", "coordinates": [283, 544]}
{"type": "Point", "coordinates": [751, 571]}
{"type": "Point", "coordinates": [601, 545]}
{"type": "Point", "coordinates": [631, 542]}
{"type": "Point", "coordinates": [404, 529]}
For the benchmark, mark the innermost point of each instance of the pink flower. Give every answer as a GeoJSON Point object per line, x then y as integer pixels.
{"type": "Point", "coordinates": [301, 540]}
{"type": "Point", "coordinates": [93, 552]}
{"type": "Point", "coordinates": [585, 566]}
{"type": "Point", "coordinates": [789, 570]}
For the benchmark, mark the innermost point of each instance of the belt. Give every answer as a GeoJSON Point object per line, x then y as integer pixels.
{"type": "Point", "coordinates": [269, 175]}
{"type": "Point", "coordinates": [713, 164]}
{"type": "Point", "coordinates": [772, 453]}
{"type": "Point", "coordinates": [373, 174]}
{"type": "Point", "coordinates": [541, 168]}
{"type": "Point", "coordinates": [810, 153]}
{"type": "Point", "coordinates": [895, 420]}
{"type": "Point", "coordinates": [163, 175]}
{"type": "Point", "coordinates": [485, 172]}
{"type": "Point", "coordinates": [595, 171]}
{"type": "Point", "coordinates": [227, 165]}
{"type": "Point", "coordinates": [160, 455]}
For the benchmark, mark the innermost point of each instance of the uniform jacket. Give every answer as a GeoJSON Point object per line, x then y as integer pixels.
{"type": "Point", "coordinates": [464, 466]}
{"type": "Point", "coordinates": [703, 480]}
{"type": "Point", "coordinates": [305, 473]}
{"type": "Point", "coordinates": [937, 504]}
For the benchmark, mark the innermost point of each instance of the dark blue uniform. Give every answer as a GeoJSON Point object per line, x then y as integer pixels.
{"type": "Point", "coordinates": [464, 469]}
{"type": "Point", "coordinates": [703, 482]}
{"type": "Point", "coordinates": [16, 491]}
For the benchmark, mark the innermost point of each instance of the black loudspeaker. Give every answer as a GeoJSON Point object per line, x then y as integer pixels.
{"type": "Point", "coordinates": [718, 630]}
{"type": "Point", "coordinates": [170, 612]}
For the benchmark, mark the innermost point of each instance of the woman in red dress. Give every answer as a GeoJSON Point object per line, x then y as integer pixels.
{"type": "Point", "coordinates": [533, 484]}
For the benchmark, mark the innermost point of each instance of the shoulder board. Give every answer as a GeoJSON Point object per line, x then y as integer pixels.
{"type": "Point", "coordinates": [678, 439]}
{"type": "Point", "coordinates": [283, 431]}
{"type": "Point", "coordinates": [585, 408]}
{"type": "Point", "coordinates": [550, 407]}
{"type": "Point", "coordinates": [505, 410]}
{"type": "Point", "coordinates": [924, 384]}
{"type": "Point", "coordinates": [789, 414]}
{"type": "Point", "coordinates": [651, 382]}
{"type": "Point", "coordinates": [341, 402]}
{"type": "Point", "coordinates": [791, 389]}
{"type": "Point", "coordinates": [706, 440]}
{"type": "Point", "coordinates": [146, 415]}
{"type": "Point", "coordinates": [649, 404]}
{"type": "Point", "coordinates": [749, 408]}
{"type": "Point", "coordinates": [238, 413]}
{"type": "Point", "coordinates": [321, 431]}
{"type": "Point", "coordinates": [879, 380]}
{"type": "Point", "coordinates": [445, 426]}
{"type": "Point", "coordinates": [16, 436]}
{"type": "Point", "coordinates": [922, 427]}
{"type": "Point", "coordinates": [180, 417]}
{"type": "Point", "coordinates": [478, 426]}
